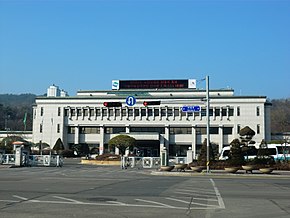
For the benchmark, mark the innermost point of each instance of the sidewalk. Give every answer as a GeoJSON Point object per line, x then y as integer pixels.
{"type": "Point", "coordinates": [223, 173]}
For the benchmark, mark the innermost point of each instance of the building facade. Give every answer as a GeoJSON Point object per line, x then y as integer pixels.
{"type": "Point", "coordinates": [83, 119]}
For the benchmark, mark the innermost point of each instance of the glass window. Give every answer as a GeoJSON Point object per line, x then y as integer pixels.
{"type": "Point", "coordinates": [217, 112]}
{"type": "Point", "coordinates": [258, 111]}
{"type": "Point", "coordinates": [180, 130]}
{"type": "Point", "coordinates": [92, 112]}
{"type": "Point", "coordinates": [156, 112]}
{"type": "Point", "coordinates": [86, 112]}
{"type": "Point", "coordinates": [40, 128]}
{"type": "Point", "coordinates": [258, 129]}
{"type": "Point", "coordinates": [124, 112]}
{"type": "Point", "coordinates": [201, 130]}
{"type": "Point", "coordinates": [111, 112]}
{"type": "Point", "coordinates": [71, 130]}
{"type": "Point", "coordinates": [176, 112]}
{"type": "Point", "coordinates": [178, 150]}
{"type": "Point", "coordinates": [73, 112]}
{"type": "Point", "coordinates": [143, 112]}
{"type": "Point", "coordinates": [79, 112]}
{"type": "Point", "coordinates": [58, 128]}
{"type": "Point", "coordinates": [169, 112]}
{"type": "Point", "coordinates": [89, 130]}
{"type": "Point", "coordinates": [58, 111]}
{"type": "Point", "coordinates": [224, 112]}
{"type": "Point", "coordinates": [203, 112]}
{"type": "Point", "coordinates": [150, 112]}
{"type": "Point", "coordinates": [227, 130]}
{"type": "Point", "coordinates": [114, 130]}
{"type": "Point", "coordinates": [137, 112]}
{"type": "Point", "coordinates": [41, 111]}
{"type": "Point", "coordinates": [130, 112]}
{"type": "Point", "coordinates": [160, 130]}
{"type": "Point", "coordinates": [66, 112]}
{"type": "Point", "coordinates": [117, 111]}
{"type": "Point", "coordinates": [105, 111]}
{"type": "Point", "coordinates": [238, 111]}
{"type": "Point", "coordinates": [98, 112]}
{"type": "Point", "coordinates": [231, 112]}
{"type": "Point", "coordinates": [238, 128]}
{"type": "Point", "coordinates": [163, 112]}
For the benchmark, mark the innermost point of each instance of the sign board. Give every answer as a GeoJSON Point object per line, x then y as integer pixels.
{"type": "Point", "coordinates": [130, 100]}
{"type": "Point", "coordinates": [154, 84]}
{"type": "Point", "coordinates": [191, 108]}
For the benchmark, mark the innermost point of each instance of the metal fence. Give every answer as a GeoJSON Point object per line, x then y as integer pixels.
{"type": "Point", "coordinates": [33, 160]}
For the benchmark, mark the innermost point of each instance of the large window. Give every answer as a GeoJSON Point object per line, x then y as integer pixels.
{"type": "Point", "coordinates": [114, 130]}
{"type": "Point", "coordinates": [160, 130]}
{"type": "Point", "coordinates": [228, 130]}
{"type": "Point", "coordinates": [202, 130]}
{"type": "Point", "coordinates": [71, 130]}
{"type": "Point", "coordinates": [178, 150]}
{"type": "Point", "coordinates": [180, 130]}
{"type": "Point", "coordinates": [89, 130]}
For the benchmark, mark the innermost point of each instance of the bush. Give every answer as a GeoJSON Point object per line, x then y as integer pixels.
{"type": "Point", "coordinates": [108, 157]}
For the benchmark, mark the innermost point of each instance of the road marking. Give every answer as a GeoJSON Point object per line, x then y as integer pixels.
{"type": "Point", "coordinates": [10, 201]}
{"type": "Point", "coordinates": [68, 199]}
{"type": "Point", "coordinates": [199, 199]}
{"type": "Point", "coordinates": [116, 202]}
{"type": "Point", "coordinates": [22, 198]}
{"type": "Point", "coordinates": [194, 191]}
{"type": "Point", "coordinates": [154, 202]}
{"type": "Point", "coordinates": [219, 197]}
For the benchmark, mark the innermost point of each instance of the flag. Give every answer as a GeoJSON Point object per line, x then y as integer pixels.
{"type": "Point", "coordinates": [24, 120]}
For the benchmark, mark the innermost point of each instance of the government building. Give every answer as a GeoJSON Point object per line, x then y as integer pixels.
{"type": "Point", "coordinates": [157, 113]}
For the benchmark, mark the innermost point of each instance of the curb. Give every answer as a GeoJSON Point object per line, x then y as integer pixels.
{"type": "Point", "coordinates": [276, 174]}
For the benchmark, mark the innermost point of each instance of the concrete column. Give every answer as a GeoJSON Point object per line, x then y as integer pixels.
{"type": "Point", "coordinates": [127, 128]}
{"type": "Point", "coordinates": [221, 134]}
{"type": "Point", "coordinates": [102, 136]}
{"type": "Point", "coordinates": [193, 142]}
{"type": "Point", "coordinates": [77, 135]}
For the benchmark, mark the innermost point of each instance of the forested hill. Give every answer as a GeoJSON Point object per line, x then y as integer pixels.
{"type": "Point", "coordinates": [14, 107]}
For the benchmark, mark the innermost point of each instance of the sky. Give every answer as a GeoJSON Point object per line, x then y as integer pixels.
{"type": "Point", "coordinates": [85, 44]}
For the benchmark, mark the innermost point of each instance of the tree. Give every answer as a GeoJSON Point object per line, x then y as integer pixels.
{"type": "Point", "coordinates": [246, 136]}
{"type": "Point", "coordinates": [236, 157]}
{"type": "Point", "coordinates": [7, 143]}
{"type": "Point", "coordinates": [122, 142]}
{"type": "Point", "coordinates": [58, 146]}
{"type": "Point", "coordinates": [202, 158]}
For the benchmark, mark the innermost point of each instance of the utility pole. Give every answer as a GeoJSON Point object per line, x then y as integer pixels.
{"type": "Point", "coordinates": [207, 124]}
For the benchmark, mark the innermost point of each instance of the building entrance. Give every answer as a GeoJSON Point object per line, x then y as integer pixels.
{"type": "Point", "coordinates": [147, 148]}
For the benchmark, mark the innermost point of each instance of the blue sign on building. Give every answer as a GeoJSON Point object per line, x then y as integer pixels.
{"type": "Point", "coordinates": [130, 100]}
{"type": "Point", "coordinates": [191, 108]}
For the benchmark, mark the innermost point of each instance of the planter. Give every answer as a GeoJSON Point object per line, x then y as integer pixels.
{"type": "Point", "coordinates": [180, 167]}
{"type": "Point", "coordinates": [166, 168]}
{"type": "Point", "coordinates": [231, 169]}
{"type": "Point", "coordinates": [102, 162]}
{"type": "Point", "coordinates": [266, 170]}
{"type": "Point", "coordinates": [248, 168]}
{"type": "Point", "coordinates": [197, 168]}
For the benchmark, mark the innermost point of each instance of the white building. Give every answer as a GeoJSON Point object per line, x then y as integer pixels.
{"type": "Point", "coordinates": [83, 119]}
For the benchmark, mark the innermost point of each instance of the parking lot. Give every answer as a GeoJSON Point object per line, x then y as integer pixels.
{"type": "Point", "coordinates": [96, 191]}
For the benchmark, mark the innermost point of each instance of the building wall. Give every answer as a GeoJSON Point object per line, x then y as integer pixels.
{"type": "Point", "coordinates": [59, 115]}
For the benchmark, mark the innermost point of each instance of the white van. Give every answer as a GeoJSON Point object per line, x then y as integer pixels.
{"type": "Point", "coordinates": [251, 153]}
{"type": "Point", "coordinates": [277, 151]}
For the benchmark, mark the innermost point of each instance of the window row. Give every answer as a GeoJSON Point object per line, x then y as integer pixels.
{"type": "Point", "coordinates": [144, 112]}
{"type": "Point", "coordinates": [160, 130]}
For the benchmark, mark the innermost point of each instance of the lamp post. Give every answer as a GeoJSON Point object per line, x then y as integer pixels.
{"type": "Point", "coordinates": [207, 124]}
